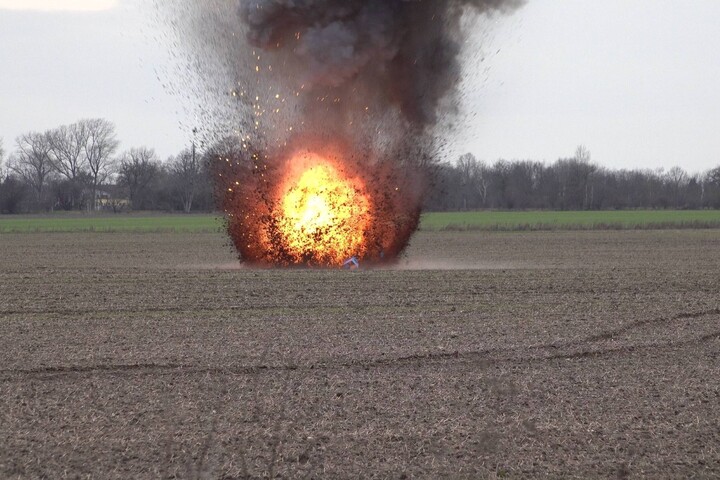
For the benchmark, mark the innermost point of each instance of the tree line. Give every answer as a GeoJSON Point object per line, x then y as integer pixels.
{"type": "Point", "coordinates": [574, 183]}
{"type": "Point", "coordinates": [78, 167]}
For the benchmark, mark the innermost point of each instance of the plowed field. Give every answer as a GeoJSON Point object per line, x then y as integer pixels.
{"type": "Point", "coordinates": [481, 355]}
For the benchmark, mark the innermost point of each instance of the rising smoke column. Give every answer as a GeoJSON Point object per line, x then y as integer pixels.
{"type": "Point", "coordinates": [362, 82]}
{"type": "Point", "coordinates": [398, 55]}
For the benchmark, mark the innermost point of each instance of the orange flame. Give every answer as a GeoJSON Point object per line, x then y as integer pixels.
{"type": "Point", "coordinates": [316, 204]}
{"type": "Point", "coordinates": [323, 215]}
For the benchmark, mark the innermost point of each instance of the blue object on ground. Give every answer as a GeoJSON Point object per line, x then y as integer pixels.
{"type": "Point", "coordinates": [351, 263]}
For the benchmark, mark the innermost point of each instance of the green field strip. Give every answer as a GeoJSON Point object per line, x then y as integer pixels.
{"type": "Point", "coordinates": [110, 224]}
{"type": "Point", "coordinates": [570, 220]}
{"type": "Point", "coordinates": [435, 221]}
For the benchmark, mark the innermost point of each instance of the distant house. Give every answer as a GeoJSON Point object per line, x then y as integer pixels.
{"type": "Point", "coordinates": [111, 198]}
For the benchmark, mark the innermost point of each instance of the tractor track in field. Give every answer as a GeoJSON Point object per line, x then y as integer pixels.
{"type": "Point", "coordinates": [485, 358]}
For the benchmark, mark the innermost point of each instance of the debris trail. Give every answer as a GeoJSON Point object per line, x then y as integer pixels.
{"type": "Point", "coordinates": [360, 84]}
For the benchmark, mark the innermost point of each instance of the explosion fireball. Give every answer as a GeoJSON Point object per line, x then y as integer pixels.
{"type": "Point", "coordinates": [317, 208]}
{"type": "Point", "coordinates": [323, 215]}
{"type": "Point", "coordinates": [322, 117]}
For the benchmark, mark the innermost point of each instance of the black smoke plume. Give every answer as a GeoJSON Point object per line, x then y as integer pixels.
{"type": "Point", "coordinates": [399, 55]}
{"type": "Point", "coordinates": [371, 79]}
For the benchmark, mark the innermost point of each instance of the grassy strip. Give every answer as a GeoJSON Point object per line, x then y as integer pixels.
{"type": "Point", "coordinates": [444, 221]}
{"type": "Point", "coordinates": [584, 220]}
{"type": "Point", "coordinates": [111, 224]}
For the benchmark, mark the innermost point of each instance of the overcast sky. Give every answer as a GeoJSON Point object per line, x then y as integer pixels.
{"type": "Point", "coordinates": [635, 81]}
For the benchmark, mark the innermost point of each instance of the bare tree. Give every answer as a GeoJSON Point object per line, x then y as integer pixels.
{"type": "Point", "coordinates": [467, 165]}
{"type": "Point", "coordinates": [712, 185]}
{"type": "Point", "coordinates": [500, 184]}
{"type": "Point", "coordinates": [474, 177]}
{"type": "Point", "coordinates": [32, 162]}
{"type": "Point", "coordinates": [68, 142]}
{"type": "Point", "coordinates": [99, 148]}
{"type": "Point", "coordinates": [713, 176]}
{"type": "Point", "coordinates": [187, 175]}
{"type": "Point", "coordinates": [570, 183]}
{"type": "Point", "coordinates": [678, 180]}
{"type": "Point", "coordinates": [139, 167]}
{"type": "Point", "coordinates": [2, 156]}
{"type": "Point", "coordinates": [585, 169]}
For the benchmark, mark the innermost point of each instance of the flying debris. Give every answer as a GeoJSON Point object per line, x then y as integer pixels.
{"type": "Point", "coordinates": [329, 117]}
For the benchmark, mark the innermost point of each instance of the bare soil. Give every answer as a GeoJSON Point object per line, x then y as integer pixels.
{"type": "Point", "coordinates": [480, 355]}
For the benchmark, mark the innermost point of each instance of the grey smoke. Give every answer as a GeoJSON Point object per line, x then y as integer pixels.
{"type": "Point", "coordinates": [364, 83]}
{"type": "Point", "coordinates": [379, 75]}
{"type": "Point", "coordinates": [406, 51]}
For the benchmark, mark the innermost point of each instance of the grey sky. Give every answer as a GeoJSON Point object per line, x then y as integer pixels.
{"type": "Point", "coordinates": [59, 67]}
{"type": "Point", "coordinates": [636, 81]}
